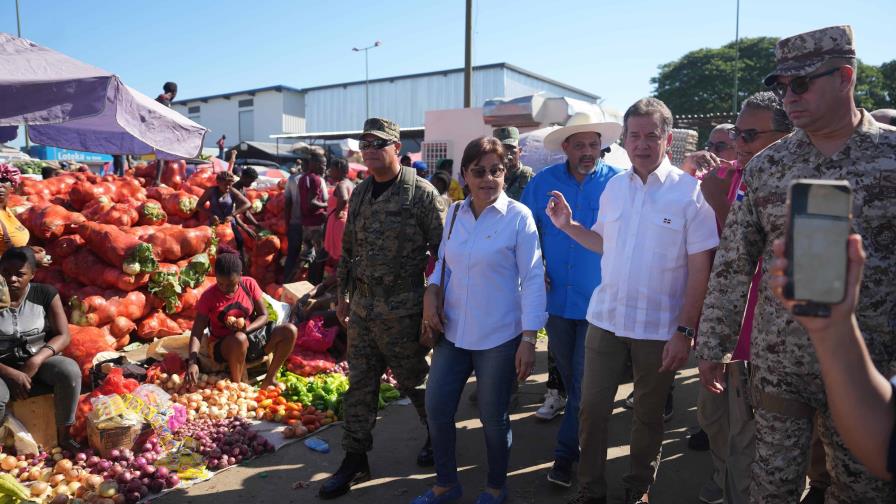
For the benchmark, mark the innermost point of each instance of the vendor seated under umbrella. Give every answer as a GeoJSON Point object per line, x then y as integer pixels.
{"type": "Point", "coordinates": [234, 312]}
{"type": "Point", "coordinates": [33, 333]}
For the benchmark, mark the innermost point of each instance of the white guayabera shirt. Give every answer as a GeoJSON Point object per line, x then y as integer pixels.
{"type": "Point", "coordinates": [649, 229]}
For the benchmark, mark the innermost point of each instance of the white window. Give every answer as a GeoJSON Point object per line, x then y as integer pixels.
{"type": "Point", "coordinates": [433, 152]}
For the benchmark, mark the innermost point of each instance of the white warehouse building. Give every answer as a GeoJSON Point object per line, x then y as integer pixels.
{"type": "Point", "coordinates": [256, 114]}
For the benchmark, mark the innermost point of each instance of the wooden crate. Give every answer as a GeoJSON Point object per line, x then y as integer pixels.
{"type": "Point", "coordinates": [38, 415]}
{"type": "Point", "coordinates": [106, 440]}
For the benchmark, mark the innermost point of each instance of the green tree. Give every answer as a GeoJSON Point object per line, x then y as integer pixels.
{"type": "Point", "coordinates": [701, 81]}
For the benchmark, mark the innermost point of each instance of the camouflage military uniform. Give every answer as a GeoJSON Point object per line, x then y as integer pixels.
{"type": "Point", "coordinates": [516, 182]}
{"type": "Point", "coordinates": [382, 266]}
{"type": "Point", "coordinates": [786, 383]}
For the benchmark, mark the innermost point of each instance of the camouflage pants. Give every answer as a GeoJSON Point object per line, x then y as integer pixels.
{"type": "Point", "coordinates": [374, 345]}
{"type": "Point", "coordinates": [783, 442]}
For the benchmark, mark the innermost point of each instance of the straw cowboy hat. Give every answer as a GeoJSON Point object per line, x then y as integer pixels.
{"type": "Point", "coordinates": [581, 122]}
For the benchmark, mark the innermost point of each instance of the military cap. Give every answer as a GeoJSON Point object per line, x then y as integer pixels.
{"type": "Point", "coordinates": [508, 136]}
{"type": "Point", "coordinates": [802, 54]}
{"type": "Point", "coordinates": [382, 128]}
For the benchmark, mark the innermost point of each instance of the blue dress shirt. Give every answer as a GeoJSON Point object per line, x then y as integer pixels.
{"type": "Point", "coordinates": [574, 271]}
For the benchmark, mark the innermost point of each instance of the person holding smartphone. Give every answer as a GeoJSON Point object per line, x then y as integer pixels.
{"type": "Point", "coordinates": [862, 400]}
{"type": "Point", "coordinates": [815, 77]}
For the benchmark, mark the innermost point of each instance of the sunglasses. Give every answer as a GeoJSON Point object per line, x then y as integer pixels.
{"type": "Point", "coordinates": [378, 144]}
{"type": "Point", "coordinates": [799, 85]}
{"type": "Point", "coordinates": [717, 147]}
{"type": "Point", "coordinates": [494, 171]}
{"type": "Point", "coordinates": [747, 135]}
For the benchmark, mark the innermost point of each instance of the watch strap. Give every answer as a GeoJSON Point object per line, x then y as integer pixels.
{"type": "Point", "coordinates": [687, 331]}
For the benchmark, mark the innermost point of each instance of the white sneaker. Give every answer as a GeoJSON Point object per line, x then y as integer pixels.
{"type": "Point", "coordinates": [553, 405]}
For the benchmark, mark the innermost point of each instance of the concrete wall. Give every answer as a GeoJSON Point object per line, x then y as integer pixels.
{"type": "Point", "coordinates": [456, 127]}
{"type": "Point", "coordinates": [272, 112]}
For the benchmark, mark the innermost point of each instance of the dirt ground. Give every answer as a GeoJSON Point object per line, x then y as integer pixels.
{"type": "Point", "coordinates": [399, 435]}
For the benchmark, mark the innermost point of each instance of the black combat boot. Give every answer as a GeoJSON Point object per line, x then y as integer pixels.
{"type": "Point", "coordinates": [425, 457]}
{"type": "Point", "coordinates": [354, 469]}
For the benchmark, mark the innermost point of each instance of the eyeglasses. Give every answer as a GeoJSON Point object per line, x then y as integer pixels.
{"type": "Point", "coordinates": [798, 85]}
{"type": "Point", "coordinates": [378, 144]}
{"type": "Point", "coordinates": [747, 135]}
{"type": "Point", "coordinates": [494, 171]}
{"type": "Point", "coordinates": [717, 147]}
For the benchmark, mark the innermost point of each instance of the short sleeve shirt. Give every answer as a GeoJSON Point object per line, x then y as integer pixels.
{"type": "Point", "coordinates": [30, 318]}
{"type": "Point", "coordinates": [217, 306]}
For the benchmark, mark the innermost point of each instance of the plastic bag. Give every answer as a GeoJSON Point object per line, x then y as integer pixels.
{"type": "Point", "coordinates": [314, 336]}
{"type": "Point", "coordinates": [178, 345]}
{"type": "Point", "coordinates": [21, 438]}
{"type": "Point", "coordinates": [153, 396]}
{"type": "Point", "coordinates": [116, 383]}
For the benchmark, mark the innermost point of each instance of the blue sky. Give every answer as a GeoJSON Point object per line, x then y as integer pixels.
{"type": "Point", "coordinates": [609, 48]}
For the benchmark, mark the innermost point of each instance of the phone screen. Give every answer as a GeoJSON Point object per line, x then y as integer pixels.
{"type": "Point", "coordinates": [820, 224]}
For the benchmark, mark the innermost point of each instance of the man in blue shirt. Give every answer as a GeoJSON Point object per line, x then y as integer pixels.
{"type": "Point", "coordinates": [572, 271]}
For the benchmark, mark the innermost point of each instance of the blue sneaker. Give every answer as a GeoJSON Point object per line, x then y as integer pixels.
{"type": "Point", "coordinates": [453, 494]}
{"type": "Point", "coordinates": [487, 498]}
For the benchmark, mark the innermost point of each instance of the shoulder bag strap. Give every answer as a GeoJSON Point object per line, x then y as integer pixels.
{"type": "Point", "coordinates": [444, 258]}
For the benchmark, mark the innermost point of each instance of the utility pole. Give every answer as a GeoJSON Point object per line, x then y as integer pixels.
{"type": "Point", "coordinates": [19, 34]}
{"type": "Point", "coordinates": [367, 75]}
{"type": "Point", "coordinates": [736, 55]}
{"type": "Point", "coordinates": [468, 57]}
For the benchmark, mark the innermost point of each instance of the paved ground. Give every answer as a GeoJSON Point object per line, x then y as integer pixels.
{"type": "Point", "coordinates": [398, 436]}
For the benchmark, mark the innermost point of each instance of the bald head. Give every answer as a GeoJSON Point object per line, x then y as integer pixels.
{"type": "Point", "coordinates": [885, 116]}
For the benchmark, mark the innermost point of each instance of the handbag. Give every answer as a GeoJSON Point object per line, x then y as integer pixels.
{"type": "Point", "coordinates": [437, 336]}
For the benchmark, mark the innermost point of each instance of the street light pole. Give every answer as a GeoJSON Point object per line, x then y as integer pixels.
{"type": "Point", "coordinates": [367, 75]}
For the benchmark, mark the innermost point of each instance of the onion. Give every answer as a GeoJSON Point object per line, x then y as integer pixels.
{"type": "Point", "coordinates": [127, 454]}
{"type": "Point", "coordinates": [118, 499]}
{"type": "Point", "coordinates": [144, 490]}
{"type": "Point", "coordinates": [149, 470]}
{"type": "Point", "coordinates": [132, 497]}
{"type": "Point", "coordinates": [80, 457]}
{"type": "Point", "coordinates": [173, 480]}
{"type": "Point", "coordinates": [63, 466]}
{"type": "Point", "coordinates": [162, 472]}
{"type": "Point", "coordinates": [108, 488]}
{"type": "Point", "coordinates": [104, 465]}
{"type": "Point", "coordinates": [139, 462]}
{"type": "Point", "coordinates": [92, 461]}
{"type": "Point", "coordinates": [114, 454]}
{"type": "Point", "coordinates": [38, 488]}
{"type": "Point", "coordinates": [147, 447]}
{"type": "Point", "coordinates": [56, 479]}
{"type": "Point", "coordinates": [116, 469]}
{"type": "Point", "coordinates": [156, 486]}
{"type": "Point", "coordinates": [124, 478]}
{"type": "Point", "coordinates": [94, 481]}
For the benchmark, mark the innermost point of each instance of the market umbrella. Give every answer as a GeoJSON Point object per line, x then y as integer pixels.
{"type": "Point", "coordinates": [71, 104]}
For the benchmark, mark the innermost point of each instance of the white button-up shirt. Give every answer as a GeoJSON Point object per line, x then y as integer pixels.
{"type": "Point", "coordinates": [494, 275]}
{"type": "Point", "coordinates": [648, 229]}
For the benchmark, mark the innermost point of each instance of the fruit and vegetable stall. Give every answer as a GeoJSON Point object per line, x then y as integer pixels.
{"type": "Point", "coordinates": [130, 262]}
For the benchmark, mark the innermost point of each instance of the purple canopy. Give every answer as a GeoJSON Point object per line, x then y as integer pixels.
{"type": "Point", "coordinates": [74, 105]}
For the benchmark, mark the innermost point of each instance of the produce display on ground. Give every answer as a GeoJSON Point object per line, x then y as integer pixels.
{"type": "Point", "coordinates": [130, 262]}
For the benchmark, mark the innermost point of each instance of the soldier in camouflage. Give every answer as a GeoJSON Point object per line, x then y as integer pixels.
{"type": "Point", "coordinates": [834, 140]}
{"type": "Point", "coordinates": [518, 174]}
{"type": "Point", "coordinates": [395, 218]}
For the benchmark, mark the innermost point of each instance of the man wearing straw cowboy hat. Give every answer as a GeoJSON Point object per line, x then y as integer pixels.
{"type": "Point", "coordinates": [573, 272]}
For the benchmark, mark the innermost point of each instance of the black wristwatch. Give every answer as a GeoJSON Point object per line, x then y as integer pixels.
{"type": "Point", "coordinates": [687, 331]}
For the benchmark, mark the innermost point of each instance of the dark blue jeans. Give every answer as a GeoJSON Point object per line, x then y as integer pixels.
{"type": "Point", "coordinates": [566, 341]}
{"type": "Point", "coordinates": [495, 372]}
{"type": "Point", "coordinates": [294, 248]}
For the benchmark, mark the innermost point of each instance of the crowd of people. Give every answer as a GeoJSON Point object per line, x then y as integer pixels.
{"type": "Point", "coordinates": [630, 270]}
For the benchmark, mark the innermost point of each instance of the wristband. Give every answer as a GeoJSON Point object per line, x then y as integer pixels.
{"type": "Point", "coordinates": [529, 339]}
{"type": "Point", "coordinates": [55, 353]}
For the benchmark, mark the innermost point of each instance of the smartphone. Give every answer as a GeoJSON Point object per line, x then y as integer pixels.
{"type": "Point", "coordinates": [820, 221]}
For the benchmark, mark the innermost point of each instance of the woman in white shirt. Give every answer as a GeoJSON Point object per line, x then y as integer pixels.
{"type": "Point", "coordinates": [494, 304]}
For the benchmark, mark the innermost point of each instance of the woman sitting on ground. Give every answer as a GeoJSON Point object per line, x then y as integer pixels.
{"type": "Point", "coordinates": [33, 334]}
{"type": "Point", "coordinates": [234, 312]}
{"type": "Point", "coordinates": [493, 304]}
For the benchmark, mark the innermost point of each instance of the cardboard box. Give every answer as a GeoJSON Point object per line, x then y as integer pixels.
{"type": "Point", "coordinates": [292, 292]}
{"type": "Point", "coordinates": [106, 440]}
{"type": "Point", "coordinates": [38, 415]}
